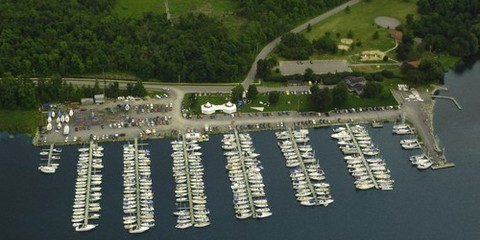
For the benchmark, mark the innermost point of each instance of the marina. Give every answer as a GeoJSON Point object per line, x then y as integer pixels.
{"type": "Point", "coordinates": [363, 158]}
{"type": "Point", "coordinates": [50, 164]}
{"type": "Point", "coordinates": [307, 178]}
{"type": "Point", "coordinates": [87, 189]}
{"type": "Point", "coordinates": [244, 171]}
{"type": "Point", "coordinates": [189, 192]}
{"type": "Point", "coordinates": [138, 195]}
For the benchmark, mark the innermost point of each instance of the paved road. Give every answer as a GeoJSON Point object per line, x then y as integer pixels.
{"type": "Point", "coordinates": [270, 46]}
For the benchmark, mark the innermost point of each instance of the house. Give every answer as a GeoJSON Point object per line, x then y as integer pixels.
{"type": "Point", "coordinates": [356, 84]}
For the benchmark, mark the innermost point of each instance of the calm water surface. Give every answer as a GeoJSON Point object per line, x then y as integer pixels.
{"type": "Point", "coordinates": [424, 205]}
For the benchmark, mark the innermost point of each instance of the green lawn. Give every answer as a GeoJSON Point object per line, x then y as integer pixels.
{"type": "Point", "coordinates": [21, 121]}
{"type": "Point", "coordinates": [285, 103]}
{"type": "Point", "coordinates": [361, 21]}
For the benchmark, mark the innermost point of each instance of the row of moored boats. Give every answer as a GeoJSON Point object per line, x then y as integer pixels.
{"type": "Point", "coordinates": [86, 206]}
{"type": "Point", "coordinates": [137, 194]}
{"type": "Point", "coordinates": [49, 160]}
{"type": "Point", "coordinates": [308, 178]}
{"type": "Point", "coordinates": [363, 158]}
{"type": "Point", "coordinates": [190, 190]}
{"type": "Point", "coordinates": [420, 161]}
{"type": "Point", "coordinates": [244, 171]}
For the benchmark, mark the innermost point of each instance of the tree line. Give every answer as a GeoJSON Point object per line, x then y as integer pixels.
{"type": "Point", "coordinates": [71, 38]}
{"type": "Point", "coordinates": [24, 93]}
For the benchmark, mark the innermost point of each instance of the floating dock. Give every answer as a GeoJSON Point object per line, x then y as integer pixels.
{"type": "Point", "coordinates": [52, 154]}
{"type": "Point", "coordinates": [244, 171]}
{"type": "Point", "coordinates": [302, 166]}
{"type": "Point", "coordinates": [189, 186]}
{"type": "Point", "coordinates": [139, 213]}
{"type": "Point", "coordinates": [188, 173]}
{"type": "Point", "coordinates": [87, 188]}
{"type": "Point", "coordinates": [362, 157]}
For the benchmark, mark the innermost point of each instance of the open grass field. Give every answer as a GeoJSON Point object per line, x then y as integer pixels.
{"type": "Point", "coordinates": [135, 8]}
{"type": "Point", "coordinates": [360, 20]}
{"type": "Point", "coordinates": [220, 9]}
{"type": "Point", "coordinates": [21, 121]}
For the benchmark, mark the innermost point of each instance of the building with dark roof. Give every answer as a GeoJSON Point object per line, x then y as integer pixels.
{"type": "Point", "coordinates": [356, 84]}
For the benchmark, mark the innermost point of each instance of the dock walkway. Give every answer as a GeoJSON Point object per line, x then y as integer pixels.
{"type": "Point", "coordinates": [244, 171]}
{"type": "Point", "coordinates": [189, 186]}
{"type": "Point", "coordinates": [302, 165]}
{"type": "Point", "coordinates": [362, 157]}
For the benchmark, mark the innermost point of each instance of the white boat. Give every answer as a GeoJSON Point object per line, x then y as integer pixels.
{"type": "Point", "coordinates": [67, 119]}
{"type": "Point", "coordinates": [47, 169]}
{"type": "Point", "coordinates": [84, 228]}
{"type": "Point", "coordinates": [70, 113]}
{"type": "Point", "coordinates": [62, 119]}
{"type": "Point", "coordinates": [183, 225]}
{"type": "Point", "coordinates": [66, 130]}
{"type": "Point", "coordinates": [138, 229]}
{"type": "Point", "coordinates": [49, 126]}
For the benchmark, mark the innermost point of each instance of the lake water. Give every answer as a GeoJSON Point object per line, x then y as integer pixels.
{"type": "Point", "coordinates": [441, 204]}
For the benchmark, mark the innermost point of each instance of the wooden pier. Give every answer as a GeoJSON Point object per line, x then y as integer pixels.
{"type": "Point", "coordinates": [302, 165]}
{"type": "Point", "coordinates": [369, 171]}
{"type": "Point", "coordinates": [244, 171]}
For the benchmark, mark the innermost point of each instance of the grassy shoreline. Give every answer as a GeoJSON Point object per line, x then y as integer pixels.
{"type": "Point", "coordinates": [19, 121]}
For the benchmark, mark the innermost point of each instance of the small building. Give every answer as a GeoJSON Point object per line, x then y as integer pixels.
{"type": "Point", "coordinates": [356, 84]}
{"type": "Point", "coordinates": [86, 101]}
{"type": "Point", "coordinates": [99, 98]}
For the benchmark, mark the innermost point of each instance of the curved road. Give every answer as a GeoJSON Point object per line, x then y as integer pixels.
{"type": "Point", "coordinates": [270, 46]}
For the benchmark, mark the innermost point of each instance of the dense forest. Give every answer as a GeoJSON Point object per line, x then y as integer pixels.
{"type": "Point", "coordinates": [40, 38]}
{"type": "Point", "coordinates": [84, 37]}
{"type": "Point", "coordinates": [448, 26]}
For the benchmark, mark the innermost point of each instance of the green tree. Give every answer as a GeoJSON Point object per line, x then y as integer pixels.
{"type": "Point", "coordinates": [308, 75]}
{"type": "Point", "coordinates": [295, 46]}
{"type": "Point", "coordinates": [252, 92]}
{"type": "Point", "coordinates": [273, 97]}
{"type": "Point", "coordinates": [237, 93]}
{"type": "Point", "coordinates": [376, 35]}
{"type": "Point", "coordinates": [340, 94]}
{"type": "Point", "coordinates": [326, 45]}
{"type": "Point", "coordinates": [372, 89]}
{"type": "Point", "coordinates": [139, 89]}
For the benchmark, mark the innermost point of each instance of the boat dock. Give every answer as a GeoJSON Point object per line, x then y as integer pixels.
{"type": "Point", "coordinates": [188, 173]}
{"type": "Point", "coordinates": [449, 98]}
{"type": "Point", "coordinates": [189, 186]}
{"type": "Point", "coordinates": [138, 195]}
{"type": "Point", "coordinates": [302, 166]}
{"type": "Point", "coordinates": [244, 171]}
{"type": "Point", "coordinates": [362, 157]}
{"type": "Point", "coordinates": [52, 154]}
{"type": "Point", "coordinates": [89, 183]}
{"type": "Point", "coordinates": [87, 189]}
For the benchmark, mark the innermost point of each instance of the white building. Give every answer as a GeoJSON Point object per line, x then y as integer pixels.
{"type": "Point", "coordinates": [209, 108]}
